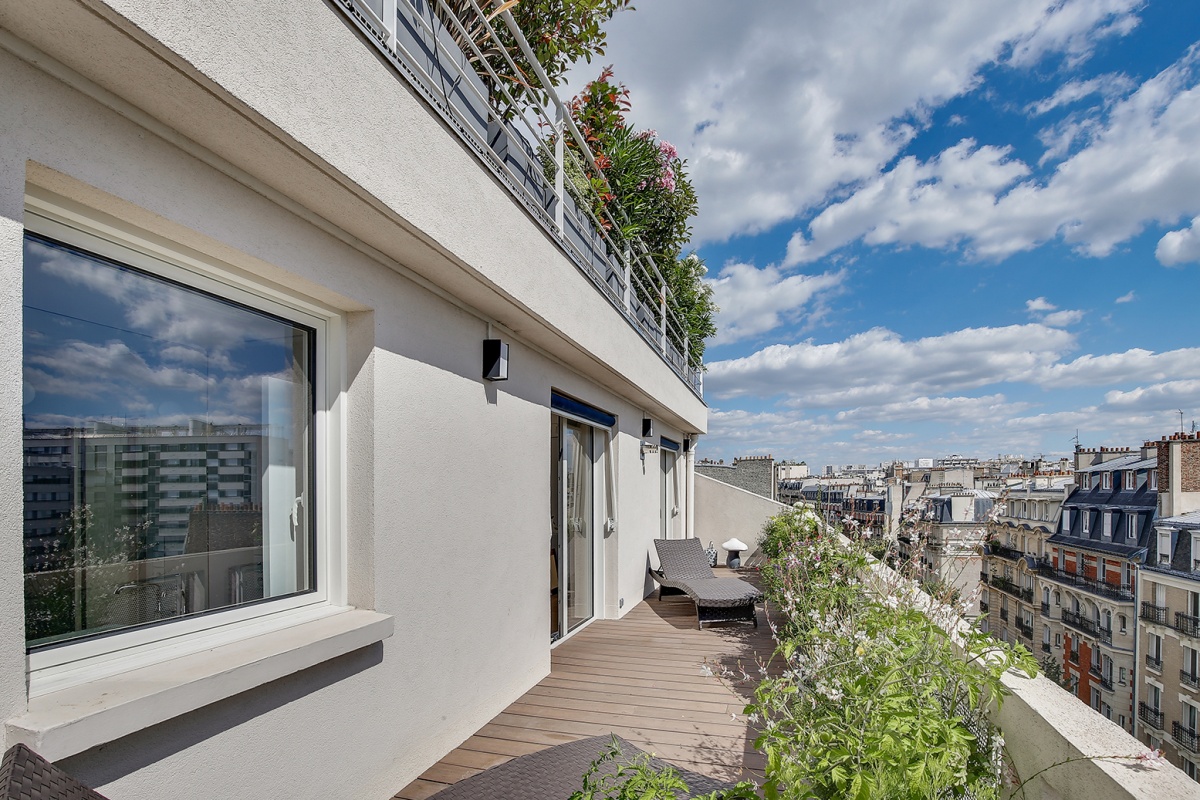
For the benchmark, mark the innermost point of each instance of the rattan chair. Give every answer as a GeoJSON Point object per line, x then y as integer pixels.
{"type": "Point", "coordinates": [24, 775]}
{"type": "Point", "coordinates": [556, 772]}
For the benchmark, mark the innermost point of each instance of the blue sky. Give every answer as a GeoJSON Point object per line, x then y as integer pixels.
{"type": "Point", "coordinates": [935, 227]}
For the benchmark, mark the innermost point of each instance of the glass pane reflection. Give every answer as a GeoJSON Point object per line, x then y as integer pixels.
{"type": "Point", "coordinates": [167, 443]}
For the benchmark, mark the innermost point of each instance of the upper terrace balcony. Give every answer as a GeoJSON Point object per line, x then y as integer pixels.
{"type": "Point", "coordinates": [521, 138]}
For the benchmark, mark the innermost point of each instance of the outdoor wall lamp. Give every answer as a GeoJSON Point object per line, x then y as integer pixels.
{"type": "Point", "coordinates": [495, 360]}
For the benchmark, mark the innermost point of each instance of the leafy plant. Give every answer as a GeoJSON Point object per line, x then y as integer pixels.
{"type": "Point", "coordinates": [877, 699]}
{"type": "Point", "coordinates": [640, 194]}
{"type": "Point", "coordinates": [559, 32]}
{"type": "Point", "coordinates": [638, 779]}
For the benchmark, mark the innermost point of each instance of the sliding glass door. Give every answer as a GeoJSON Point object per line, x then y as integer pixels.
{"type": "Point", "coordinates": [669, 505]}
{"type": "Point", "coordinates": [576, 489]}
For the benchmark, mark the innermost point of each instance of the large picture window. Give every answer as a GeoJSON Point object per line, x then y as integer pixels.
{"type": "Point", "coordinates": [168, 448]}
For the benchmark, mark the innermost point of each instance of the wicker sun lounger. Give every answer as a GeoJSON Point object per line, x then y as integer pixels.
{"type": "Point", "coordinates": [24, 775]}
{"type": "Point", "coordinates": [684, 569]}
{"type": "Point", "coordinates": [556, 772]}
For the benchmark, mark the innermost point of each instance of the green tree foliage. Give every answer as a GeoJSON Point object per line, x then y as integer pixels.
{"type": "Point", "coordinates": [559, 32]}
{"type": "Point", "coordinates": [639, 191]}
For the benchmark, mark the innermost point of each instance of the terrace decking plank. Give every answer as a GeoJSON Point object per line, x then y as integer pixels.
{"type": "Point", "coordinates": [466, 757]}
{"type": "Point", "coordinates": [419, 790]}
{"type": "Point", "coordinates": [443, 772]}
{"type": "Point", "coordinates": [639, 677]}
{"type": "Point", "coordinates": [500, 748]}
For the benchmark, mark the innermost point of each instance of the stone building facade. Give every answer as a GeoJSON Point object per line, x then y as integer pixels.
{"type": "Point", "coordinates": [752, 473]}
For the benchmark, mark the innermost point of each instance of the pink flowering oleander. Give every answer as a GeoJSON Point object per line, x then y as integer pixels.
{"type": "Point", "coordinates": [668, 150]}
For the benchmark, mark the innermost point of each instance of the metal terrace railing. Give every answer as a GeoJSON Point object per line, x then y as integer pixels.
{"type": "Point", "coordinates": [523, 144]}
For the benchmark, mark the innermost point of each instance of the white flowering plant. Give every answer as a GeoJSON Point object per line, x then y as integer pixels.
{"type": "Point", "coordinates": [880, 694]}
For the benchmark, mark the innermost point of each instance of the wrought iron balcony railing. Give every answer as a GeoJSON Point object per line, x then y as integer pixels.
{"type": "Point", "coordinates": [1112, 591]}
{"type": "Point", "coordinates": [1005, 585]}
{"type": "Point", "coordinates": [1045, 647]}
{"type": "Point", "coordinates": [1185, 737]}
{"type": "Point", "coordinates": [1151, 716]}
{"type": "Point", "coordinates": [461, 61]}
{"type": "Point", "coordinates": [1082, 623]}
{"type": "Point", "coordinates": [1187, 624]}
{"type": "Point", "coordinates": [1005, 552]}
{"type": "Point", "coordinates": [1189, 679]}
{"type": "Point", "coordinates": [1045, 609]}
{"type": "Point", "coordinates": [1153, 613]}
{"type": "Point", "coordinates": [983, 577]}
{"type": "Point", "coordinates": [1097, 672]}
{"type": "Point", "coordinates": [1154, 662]}
{"type": "Point", "coordinates": [1025, 630]}
{"type": "Point", "coordinates": [983, 606]}
{"type": "Point", "coordinates": [1004, 614]}
{"type": "Point", "coordinates": [1073, 655]}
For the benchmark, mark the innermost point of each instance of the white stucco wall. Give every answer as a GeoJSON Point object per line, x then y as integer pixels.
{"type": "Point", "coordinates": [294, 157]}
{"type": "Point", "coordinates": [724, 512]}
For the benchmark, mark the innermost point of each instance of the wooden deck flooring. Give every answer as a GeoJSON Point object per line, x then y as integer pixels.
{"type": "Point", "coordinates": [639, 677]}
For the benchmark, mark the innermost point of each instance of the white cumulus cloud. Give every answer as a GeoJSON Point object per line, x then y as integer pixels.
{"type": "Point", "coordinates": [878, 365]}
{"type": "Point", "coordinates": [1181, 246]}
{"type": "Point", "coordinates": [801, 100]}
{"type": "Point", "coordinates": [754, 301]}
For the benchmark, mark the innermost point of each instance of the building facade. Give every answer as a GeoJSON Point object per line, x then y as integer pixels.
{"type": "Point", "coordinates": [254, 265]}
{"type": "Point", "coordinates": [1168, 594]}
{"type": "Point", "coordinates": [1016, 604]}
{"type": "Point", "coordinates": [1104, 529]}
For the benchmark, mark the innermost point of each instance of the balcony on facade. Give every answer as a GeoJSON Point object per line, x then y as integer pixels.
{"type": "Point", "coordinates": [1185, 737]}
{"type": "Point", "coordinates": [1005, 552]}
{"type": "Point", "coordinates": [1004, 614]}
{"type": "Point", "coordinates": [1151, 716]}
{"type": "Point", "coordinates": [1005, 585]}
{"type": "Point", "coordinates": [1045, 647]}
{"type": "Point", "coordinates": [1154, 662]}
{"type": "Point", "coordinates": [521, 137]}
{"type": "Point", "coordinates": [1025, 630]}
{"type": "Point", "coordinates": [983, 606]}
{"type": "Point", "coordinates": [1187, 624]}
{"type": "Point", "coordinates": [1045, 609]}
{"type": "Point", "coordinates": [1081, 623]}
{"type": "Point", "coordinates": [984, 577]}
{"type": "Point", "coordinates": [1153, 613]}
{"type": "Point", "coordinates": [1097, 672]}
{"type": "Point", "coordinates": [1073, 655]}
{"type": "Point", "coordinates": [1112, 591]}
{"type": "Point", "coordinates": [1189, 679]}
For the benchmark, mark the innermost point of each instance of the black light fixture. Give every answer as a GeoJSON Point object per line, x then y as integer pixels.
{"type": "Point", "coordinates": [495, 360]}
{"type": "Point", "coordinates": [647, 427]}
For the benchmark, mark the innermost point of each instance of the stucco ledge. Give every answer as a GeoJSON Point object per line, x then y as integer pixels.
{"type": "Point", "coordinates": [71, 720]}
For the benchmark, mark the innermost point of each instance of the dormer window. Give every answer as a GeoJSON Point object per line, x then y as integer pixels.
{"type": "Point", "coordinates": [1154, 480]}
{"type": "Point", "coordinates": [1130, 479]}
{"type": "Point", "coordinates": [1164, 547]}
{"type": "Point", "coordinates": [1195, 551]}
{"type": "Point", "coordinates": [1106, 480]}
{"type": "Point", "coordinates": [1086, 515]}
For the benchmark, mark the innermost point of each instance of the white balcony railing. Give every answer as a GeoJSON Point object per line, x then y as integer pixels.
{"type": "Point", "coordinates": [521, 145]}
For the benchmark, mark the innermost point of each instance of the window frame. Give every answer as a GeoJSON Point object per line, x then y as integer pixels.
{"type": "Point", "coordinates": [55, 667]}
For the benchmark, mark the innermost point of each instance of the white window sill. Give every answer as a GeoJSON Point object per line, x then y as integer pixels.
{"type": "Point", "coordinates": [71, 720]}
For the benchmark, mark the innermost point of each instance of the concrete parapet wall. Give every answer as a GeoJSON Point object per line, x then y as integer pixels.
{"type": "Point", "coordinates": [724, 511]}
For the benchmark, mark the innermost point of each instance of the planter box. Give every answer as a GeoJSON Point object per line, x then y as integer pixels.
{"type": "Point", "coordinates": [519, 158]}
{"type": "Point", "coordinates": [446, 65]}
